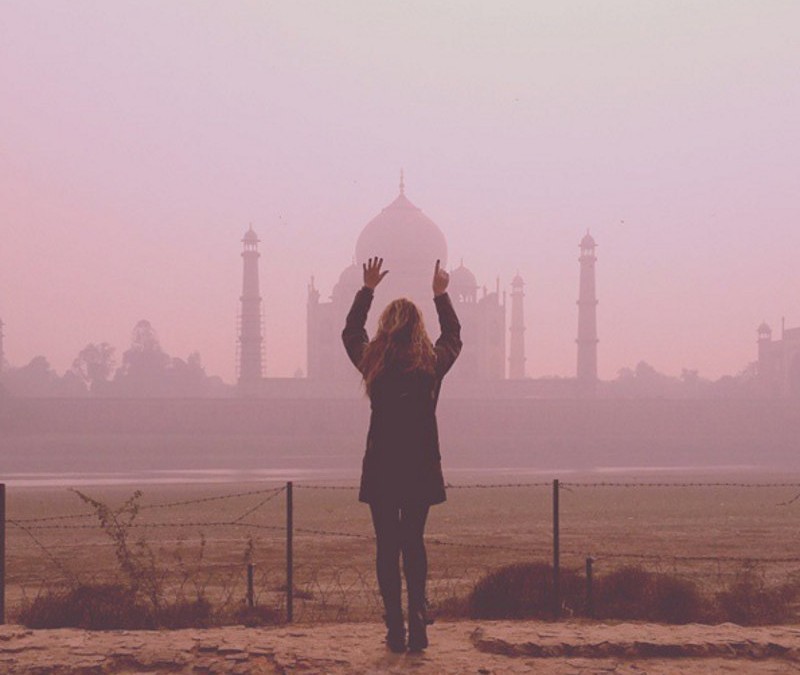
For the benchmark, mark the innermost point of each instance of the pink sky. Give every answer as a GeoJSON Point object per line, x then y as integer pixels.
{"type": "Point", "coordinates": [139, 139]}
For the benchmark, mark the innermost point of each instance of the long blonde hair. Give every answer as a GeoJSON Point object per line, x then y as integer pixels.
{"type": "Point", "coordinates": [401, 342]}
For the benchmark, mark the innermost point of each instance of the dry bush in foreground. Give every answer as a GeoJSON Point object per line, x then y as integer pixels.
{"type": "Point", "coordinates": [523, 590]}
{"type": "Point", "coordinates": [634, 593]}
{"type": "Point", "coordinates": [628, 593]}
{"type": "Point", "coordinates": [112, 606]}
{"type": "Point", "coordinates": [749, 601]}
{"type": "Point", "coordinates": [138, 598]}
{"type": "Point", "coordinates": [92, 607]}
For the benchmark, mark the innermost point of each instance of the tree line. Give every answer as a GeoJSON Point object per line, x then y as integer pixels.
{"type": "Point", "coordinates": [144, 370]}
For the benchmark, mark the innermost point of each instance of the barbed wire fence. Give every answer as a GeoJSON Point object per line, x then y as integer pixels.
{"type": "Point", "coordinates": [276, 546]}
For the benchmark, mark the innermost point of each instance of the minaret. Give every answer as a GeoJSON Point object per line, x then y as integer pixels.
{"type": "Point", "coordinates": [516, 357]}
{"type": "Point", "coordinates": [764, 342]}
{"type": "Point", "coordinates": [587, 319]}
{"type": "Point", "coordinates": [251, 340]}
{"type": "Point", "coordinates": [766, 367]}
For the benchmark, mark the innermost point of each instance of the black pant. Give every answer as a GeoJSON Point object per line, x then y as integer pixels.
{"type": "Point", "coordinates": [400, 529]}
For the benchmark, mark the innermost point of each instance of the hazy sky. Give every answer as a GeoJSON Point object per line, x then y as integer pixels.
{"type": "Point", "coordinates": [139, 139]}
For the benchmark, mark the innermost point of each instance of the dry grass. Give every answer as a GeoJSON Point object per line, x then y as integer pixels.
{"type": "Point", "coordinates": [475, 532]}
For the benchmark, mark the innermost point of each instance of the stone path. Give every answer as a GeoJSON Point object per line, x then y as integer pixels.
{"type": "Point", "coordinates": [482, 648]}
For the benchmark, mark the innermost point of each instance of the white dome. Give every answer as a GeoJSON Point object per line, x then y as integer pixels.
{"type": "Point", "coordinates": [406, 238]}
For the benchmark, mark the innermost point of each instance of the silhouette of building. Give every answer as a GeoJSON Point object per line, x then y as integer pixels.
{"type": "Point", "coordinates": [411, 243]}
{"type": "Point", "coordinates": [778, 372]}
{"type": "Point", "coordinates": [587, 320]}
{"type": "Point", "coordinates": [2, 351]}
{"type": "Point", "coordinates": [250, 343]}
{"type": "Point", "coordinates": [516, 347]}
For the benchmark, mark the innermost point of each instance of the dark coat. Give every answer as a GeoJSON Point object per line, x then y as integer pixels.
{"type": "Point", "coordinates": [402, 464]}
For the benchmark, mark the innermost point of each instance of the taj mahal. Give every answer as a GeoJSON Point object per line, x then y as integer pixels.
{"type": "Point", "coordinates": [412, 243]}
{"type": "Point", "coordinates": [492, 318]}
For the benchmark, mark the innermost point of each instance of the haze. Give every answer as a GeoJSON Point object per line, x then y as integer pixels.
{"type": "Point", "coordinates": [138, 140]}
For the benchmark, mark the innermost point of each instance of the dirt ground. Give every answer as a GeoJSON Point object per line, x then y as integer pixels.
{"type": "Point", "coordinates": [456, 647]}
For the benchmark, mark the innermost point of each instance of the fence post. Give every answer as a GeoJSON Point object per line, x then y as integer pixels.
{"type": "Point", "coordinates": [556, 555]}
{"type": "Point", "coordinates": [589, 589]}
{"type": "Point", "coordinates": [251, 600]}
{"type": "Point", "coordinates": [289, 561]}
{"type": "Point", "coordinates": [2, 553]}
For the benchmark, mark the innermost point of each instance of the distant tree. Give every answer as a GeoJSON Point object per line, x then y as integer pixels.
{"type": "Point", "coordinates": [188, 378]}
{"type": "Point", "coordinates": [144, 366]}
{"type": "Point", "coordinates": [147, 370]}
{"type": "Point", "coordinates": [195, 362]}
{"type": "Point", "coordinates": [38, 379]}
{"type": "Point", "coordinates": [71, 385]}
{"type": "Point", "coordinates": [691, 377]}
{"type": "Point", "coordinates": [625, 375]}
{"type": "Point", "coordinates": [35, 379]}
{"type": "Point", "coordinates": [644, 381]}
{"type": "Point", "coordinates": [94, 365]}
{"type": "Point", "coordinates": [749, 372]}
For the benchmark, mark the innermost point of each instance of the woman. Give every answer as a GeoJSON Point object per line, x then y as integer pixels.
{"type": "Point", "coordinates": [402, 475]}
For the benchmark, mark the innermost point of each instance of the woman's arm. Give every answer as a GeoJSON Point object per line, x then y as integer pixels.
{"type": "Point", "coordinates": [448, 346]}
{"type": "Point", "coordinates": [354, 335]}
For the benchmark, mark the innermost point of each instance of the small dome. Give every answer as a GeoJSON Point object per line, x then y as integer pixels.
{"type": "Point", "coordinates": [462, 278]}
{"type": "Point", "coordinates": [517, 281]}
{"type": "Point", "coordinates": [588, 241]}
{"type": "Point", "coordinates": [764, 328]}
{"type": "Point", "coordinates": [463, 287]}
{"type": "Point", "coordinates": [352, 276]}
{"type": "Point", "coordinates": [350, 280]}
{"type": "Point", "coordinates": [250, 235]}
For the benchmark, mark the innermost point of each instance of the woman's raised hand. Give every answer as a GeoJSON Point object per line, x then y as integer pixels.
{"type": "Point", "coordinates": [372, 272]}
{"type": "Point", "coordinates": [440, 280]}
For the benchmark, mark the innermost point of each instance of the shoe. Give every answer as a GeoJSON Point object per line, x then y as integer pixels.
{"type": "Point", "coordinates": [396, 634]}
{"type": "Point", "coordinates": [417, 631]}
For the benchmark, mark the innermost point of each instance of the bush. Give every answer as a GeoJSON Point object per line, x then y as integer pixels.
{"type": "Point", "coordinates": [452, 607]}
{"type": "Point", "coordinates": [87, 606]}
{"type": "Point", "coordinates": [748, 601]}
{"type": "Point", "coordinates": [109, 607]}
{"type": "Point", "coordinates": [186, 614]}
{"type": "Point", "coordinates": [634, 593]}
{"type": "Point", "coordinates": [523, 590]}
{"type": "Point", "coordinates": [629, 593]}
{"type": "Point", "coordinates": [138, 599]}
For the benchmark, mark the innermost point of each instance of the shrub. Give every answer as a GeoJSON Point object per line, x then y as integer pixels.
{"type": "Point", "coordinates": [634, 593]}
{"type": "Point", "coordinates": [748, 601]}
{"type": "Point", "coordinates": [452, 607]}
{"type": "Point", "coordinates": [136, 561]}
{"type": "Point", "coordinates": [138, 598]}
{"type": "Point", "coordinates": [87, 606]}
{"type": "Point", "coordinates": [186, 614]}
{"type": "Point", "coordinates": [628, 593]}
{"type": "Point", "coordinates": [523, 590]}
